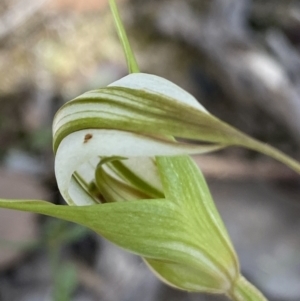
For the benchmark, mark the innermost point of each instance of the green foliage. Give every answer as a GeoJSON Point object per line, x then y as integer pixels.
{"type": "Point", "coordinates": [65, 282]}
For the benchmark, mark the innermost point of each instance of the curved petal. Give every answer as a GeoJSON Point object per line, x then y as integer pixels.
{"type": "Point", "coordinates": [81, 146]}
{"type": "Point", "coordinates": [151, 105]}
{"type": "Point", "coordinates": [155, 84]}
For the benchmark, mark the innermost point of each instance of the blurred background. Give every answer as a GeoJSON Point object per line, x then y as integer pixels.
{"type": "Point", "coordinates": [240, 58]}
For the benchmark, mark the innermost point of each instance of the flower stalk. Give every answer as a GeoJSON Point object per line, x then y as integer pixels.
{"type": "Point", "coordinates": [129, 55]}
{"type": "Point", "coordinates": [243, 290]}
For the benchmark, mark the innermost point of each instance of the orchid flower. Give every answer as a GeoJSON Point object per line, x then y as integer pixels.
{"type": "Point", "coordinates": [121, 166]}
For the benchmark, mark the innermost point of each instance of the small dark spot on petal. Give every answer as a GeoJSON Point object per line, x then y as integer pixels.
{"type": "Point", "coordinates": [87, 137]}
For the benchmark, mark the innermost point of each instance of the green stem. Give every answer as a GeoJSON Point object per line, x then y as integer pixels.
{"type": "Point", "coordinates": [234, 137]}
{"type": "Point", "coordinates": [243, 290]}
{"type": "Point", "coordinates": [130, 58]}
{"type": "Point", "coordinates": [272, 152]}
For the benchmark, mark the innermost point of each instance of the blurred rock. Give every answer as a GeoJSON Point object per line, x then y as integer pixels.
{"type": "Point", "coordinates": [22, 284]}
{"type": "Point", "coordinates": [21, 162]}
{"type": "Point", "coordinates": [127, 274]}
{"type": "Point", "coordinates": [17, 228]}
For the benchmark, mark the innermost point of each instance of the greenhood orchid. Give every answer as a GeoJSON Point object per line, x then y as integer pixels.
{"type": "Point", "coordinates": [121, 166]}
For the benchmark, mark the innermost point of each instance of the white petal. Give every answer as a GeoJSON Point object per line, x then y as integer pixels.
{"type": "Point", "coordinates": [76, 149]}
{"type": "Point", "coordinates": [159, 85]}
{"type": "Point", "coordinates": [145, 169]}
{"type": "Point", "coordinates": [74, 194]}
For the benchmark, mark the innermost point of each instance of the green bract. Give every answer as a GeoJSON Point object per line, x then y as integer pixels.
{"type": "Point", "coordinates": [181, 236]}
